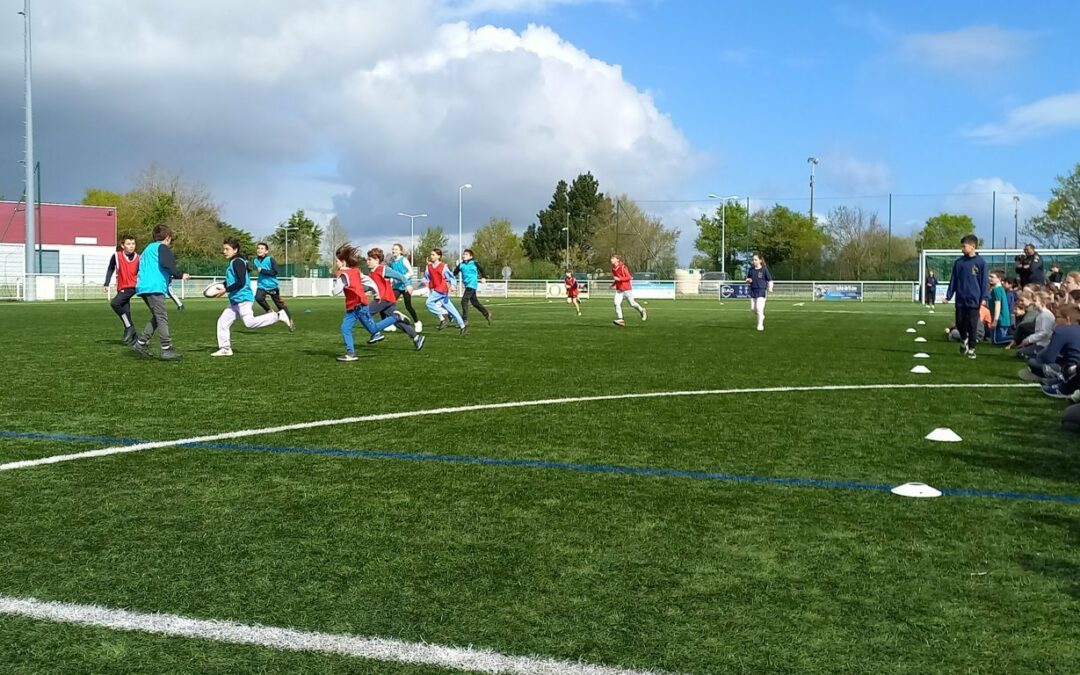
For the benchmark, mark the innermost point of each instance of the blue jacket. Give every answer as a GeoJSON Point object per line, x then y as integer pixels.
{"type": "Point", "coordinates": [401, 266]}
{"type": "Point", "coordinates": [267, 270]}
{"type": "Point", "coordinates": [236, 281]}
{"type": "Point", "coordinates": [969, 282]}
{"type": "Point", "coordinates": [157, 268]}
{"type": "Point", "coordinates": [470, 273]}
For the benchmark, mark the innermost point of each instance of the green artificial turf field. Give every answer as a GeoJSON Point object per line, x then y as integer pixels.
{"type": "Point", "coordinates": [730, 531]}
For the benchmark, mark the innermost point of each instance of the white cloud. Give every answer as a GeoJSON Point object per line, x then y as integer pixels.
{"type": "Point", "coordinates": [847, 175]}
{"type": "Point", "coordinates": [966, 50]}
{"type": "Point", "coordinates": [463, 8]}
{"type": "Point", "coordinates": [1045, 116]}
{"type": "Point", "coordinates": [382, 107]}
{"type": "Point", "coordinates": [994, 215]}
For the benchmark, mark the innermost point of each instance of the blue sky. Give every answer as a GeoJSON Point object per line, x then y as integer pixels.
{"type": "Point", "coordinates": [893, 92]}
{"type": "Point", "coordinates": [364, 108]}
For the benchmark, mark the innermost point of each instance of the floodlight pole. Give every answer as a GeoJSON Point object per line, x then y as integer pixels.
{"type": "Point", "coordinates": [29, 289]}
{"type": "Point", "coordinates": [1016, 220]}
{"type": "Point", "coordinates": [287, 230]}
{"type": "Point", "coordinates": [812, 161]}
{"type": "Point", "coordinates": [723, 232]}
{"type": "Point", "coordinates": [460, 243]}
{"type": "Point", "coordinates": [412, 230]}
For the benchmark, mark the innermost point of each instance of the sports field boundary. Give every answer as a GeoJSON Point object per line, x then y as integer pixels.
{"type": "Point", "coordinates": [289, 639]}
{"type": "Point", "coordinates": [382, 417]}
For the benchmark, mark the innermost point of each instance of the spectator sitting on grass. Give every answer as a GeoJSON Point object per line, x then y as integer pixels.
{"type": "Point", "coordinates": [1042, 324]}
{"type": "Point", "coordinates": [1024, 318]}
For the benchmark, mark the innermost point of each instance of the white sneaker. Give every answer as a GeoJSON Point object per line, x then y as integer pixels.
{"type": "Point", "coordinates": [390, 329]}
{"type": "Point", "coordinates": [224, 351]}
{"type": "Point", "coordinates": [644, 315]}
{"type": "Point", "coordinates": [284, 318]}
{"type": "Point", "coordinates": [761, 327]}
{"type": "Point", "coordinates": [419, 326]}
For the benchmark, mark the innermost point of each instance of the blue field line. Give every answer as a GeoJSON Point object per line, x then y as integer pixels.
{"type": "Point", "coordinates": [561, 466]}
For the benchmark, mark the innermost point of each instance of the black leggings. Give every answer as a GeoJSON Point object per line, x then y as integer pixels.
{"type": "Point", "coordinates": [275, 295]}
{"type": "Point", "coordinates": [467, 298]}
{"type": "Point", "coordinates": [408, 302]}
{"type": "Point", "coordinates": [121, 304]}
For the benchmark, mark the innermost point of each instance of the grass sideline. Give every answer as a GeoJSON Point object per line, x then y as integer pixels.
{"type": "Point", "coordinates": [628, 570]}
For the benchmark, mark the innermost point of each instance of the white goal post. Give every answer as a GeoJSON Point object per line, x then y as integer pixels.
{"type": "Point", "coordinates": [941, 260]}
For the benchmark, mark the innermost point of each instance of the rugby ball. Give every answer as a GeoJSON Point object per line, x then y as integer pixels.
{"type": "Point", "coordinates": [214, 290]}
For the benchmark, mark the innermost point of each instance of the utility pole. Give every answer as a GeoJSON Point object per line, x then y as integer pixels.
{"type": "Point", "coordinates": [812, 161]}
{"type": "Point", "coordinates": [30, 289]}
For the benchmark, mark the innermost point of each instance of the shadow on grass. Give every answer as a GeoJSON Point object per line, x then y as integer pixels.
{"type": "Point", "coordinates": [1066, 571]}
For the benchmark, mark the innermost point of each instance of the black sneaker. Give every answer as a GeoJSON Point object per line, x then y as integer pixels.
{"type": "Point", "coordinates": [129, 336]}
{"type": "Point", "coordinates": [488, 317]}
{"type": "Point", "coordinates": [141, 349]}
{"type": "Point", "coordinates": [419, 342]}
{"type": "Point", "coordinates": [463, 330]}
{"type": "Point", "coordinates": [170, 354]}
{"type": "Point", "coordinates": [963, 350]}
{"type": "Point", "coordinates": [377, 337]}
{"type": "Point", "coordinates": [444, 322]}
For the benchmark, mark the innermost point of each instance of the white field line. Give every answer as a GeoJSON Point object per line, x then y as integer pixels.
{"type": "Point", "coordinates": [375, 648]}
{"type": "Point", "coordinates": [245, 433]}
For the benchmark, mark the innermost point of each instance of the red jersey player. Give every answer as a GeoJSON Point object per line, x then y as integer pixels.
{"type": "Point", "coordinates": [623, 289]}
{"type": "Point", "coordinates": [125, 262]}
{"type": "Point", "coordinates": [572, 291]}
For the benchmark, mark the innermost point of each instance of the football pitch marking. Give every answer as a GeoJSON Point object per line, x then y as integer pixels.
{"type": "Point", "coordinates": [380, 417]}
{"type": "Point", "coordinates": [290, 639]}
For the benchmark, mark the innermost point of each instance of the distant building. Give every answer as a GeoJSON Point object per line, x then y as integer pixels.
{"type": "Point", "coordinates": [74, 242]}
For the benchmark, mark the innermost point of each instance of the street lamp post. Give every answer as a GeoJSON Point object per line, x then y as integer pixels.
{"type": "Point", "coordinates": [460, 245]}
{"type": "Point", "coordinates": [412, 230]}
{"type": "Point", "coordinates": [723, 231]}
{"type": "Point", "coordinates": [287, 230]}
{"type": "Point", "coordinates": [1016, 220]}
{"type": "Point", "coordinates": [567, 231]}
{"type": "Point", "coordinates": [29, 289]}
{"type": "Point", "coordinates": [812, 161]}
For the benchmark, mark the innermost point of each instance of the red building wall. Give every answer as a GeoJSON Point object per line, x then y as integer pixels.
{"type": "Point", "coordinates": [60, 224]}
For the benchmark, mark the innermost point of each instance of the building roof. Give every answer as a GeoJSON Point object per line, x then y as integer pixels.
{"type": "Point", "coordinates": [60, 224]}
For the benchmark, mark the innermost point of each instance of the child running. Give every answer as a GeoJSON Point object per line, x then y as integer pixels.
{"type": "Point", "coordinates": [353, 285]}
{"type": "Point", "coordinates": [400, 263]}
{"type": "Point", "coordinates": [572, 291]}
{"type": "Point", "coordinates": [125, 262]}
{"type": "Point", "coordinates": [761, 284]}
{"type": "Point", "coordinates": [383, 279]}
{"type": "Point", "coordinates": [470, 272]}
{"type": "Point", "coordinates": [266, 266]}
{"type": "Point", "coordinates": [240, 300]}
{"type": "Point", "coordinates": [157, 269]}
{"type": "Point", "coordinates": [624, 288]}
{"type": "Point", "coordinates": [440, 281]}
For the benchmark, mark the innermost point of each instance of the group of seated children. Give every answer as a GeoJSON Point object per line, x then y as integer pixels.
{"type": "Point", "coordinates": [1041, 324]}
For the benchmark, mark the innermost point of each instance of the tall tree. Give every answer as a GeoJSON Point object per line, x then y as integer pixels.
{"type": "Point", "coordinates": [543, 240]}
{"type": "Point", "coordinates": [944, 231]}
{"type": "Point", "coordinates": [247, 242]}
{"type": "Point", "coordinates": [304, 239]}
{"type": "Point", "coordinates": [1059, 225]}
{"type": "Point", "coordinates": [433, 237]}
{"type": "Point", "coordinates": [643, 241]}
{"type": "Point", "coordinates": [783, 235]}
{"type": "Point", "coordinates": [861, 248]}
{"type": "Point", "coordinates": [496, 245]}
{"type": "Point", "coordinates": [726, 230]}
{"type": "Point", "coordinates": [334, 237]}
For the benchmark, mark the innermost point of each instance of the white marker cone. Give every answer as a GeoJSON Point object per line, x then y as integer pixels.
{"type": "Point", "coordinates": [911, 330]}
{"type": "Point", "coordinates": [922, 355]}
{"type": "Point", "coordinates": [920, 323]}
{"type": "Point", "coordinates": [943, 435]}
{"type": "Point", "coordinates": [921, 370]}
{"type": "Point", "coordinates": [920, 339]}
{"type": "Point", "coordinates": [919, 490]}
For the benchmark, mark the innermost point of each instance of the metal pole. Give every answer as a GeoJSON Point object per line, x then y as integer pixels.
{"type": "Point", "coordinates": [888, 246]}
{"type": "Point", "coordinates": [723, 239]}
{"type": "Point", "coordinates": [459, 211]}
{"type": "Point", "coordinates": [30, 291]}
{"type": "Point", "coordinates": [568, 239]}
{"type": "Point", "coordinates": [618, 209]}
{"type": "Point", "coordinates": [749, 244]}
{"type": "Point", "coordinates": [993, 220]}
{"type": "Point", "coordinates": [813, 161]}
{"type": "Point", "coordinates": [1016, 220]}
{"type": "Point", "coordinates": [286, 250]}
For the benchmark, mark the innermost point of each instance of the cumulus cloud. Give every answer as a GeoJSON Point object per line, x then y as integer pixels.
{"type": "Point", "coordinates": [849, 175]}
{"type": "Point", "coordinates": [1042, 117]}
{"type": "Point", "coordinates": [966, 50]}
{"type": "Point", "coordinates": [976, 198]}
{"type": "Point", "coordinates": [364, 108]}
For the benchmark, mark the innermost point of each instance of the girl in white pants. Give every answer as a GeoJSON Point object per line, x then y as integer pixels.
{"type": "Point", "coordinates": [241, 298]}
{"type": "Point", "coordinates": [761, 284]}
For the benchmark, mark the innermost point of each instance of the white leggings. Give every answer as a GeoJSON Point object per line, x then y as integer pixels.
{"type": "Point", "coordinates": [757, 305]}
{"type": "Point", "coordinates": [243, 311]}
{"type": "Point", "coordinates": [629, 295]}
